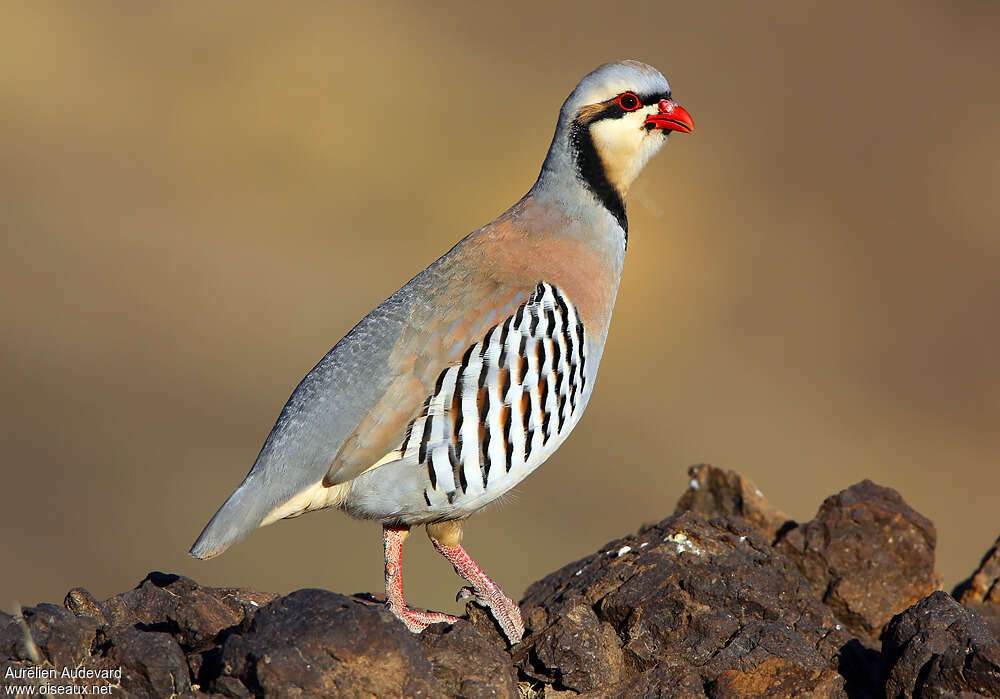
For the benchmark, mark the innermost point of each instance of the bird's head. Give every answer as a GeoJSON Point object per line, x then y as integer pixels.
{"type": "Point", "coordinates": [615, 120]}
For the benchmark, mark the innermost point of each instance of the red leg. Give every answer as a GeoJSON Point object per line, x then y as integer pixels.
{"type": "Point", "coordinates": [415, 621]}
{"type": "Point", "coordinates": [505, 610]}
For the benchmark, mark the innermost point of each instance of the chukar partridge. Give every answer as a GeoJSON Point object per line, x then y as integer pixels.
{"type": "Point", "coordinates": [468, 378]}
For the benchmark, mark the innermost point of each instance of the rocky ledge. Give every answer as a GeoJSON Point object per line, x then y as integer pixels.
{"type": "Point", "coordinates": [727, 597]}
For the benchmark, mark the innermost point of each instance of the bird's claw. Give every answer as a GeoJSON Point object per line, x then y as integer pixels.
{"type": "Point", "coordinates": [504, 610]}
{"type": "Point", "coordinates": [468, 594]}
{"type": "Point", "coordinates": [510, 620]}
{"type": "Point", "coordinates": [416, 621]}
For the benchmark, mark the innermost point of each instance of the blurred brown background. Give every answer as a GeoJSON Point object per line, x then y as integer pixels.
{"type": "Point", "coordinates": [199, 199]}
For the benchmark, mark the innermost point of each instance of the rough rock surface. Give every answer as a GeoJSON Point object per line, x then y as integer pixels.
{"type": "Point", "coordinates": [710, 593]}
{"type": "Point", "coordinates": [868, 556]}
{"type": "Point", "coordinates": [342, 647]}
{"type": "Point", "coordinates": [981, 592]}
{"type": "Point", "coordinates": [714, 492]}
{"type": "Point", "coordinates": [940, 648]}
{"type": "Point", "coordinates": [725, 598]}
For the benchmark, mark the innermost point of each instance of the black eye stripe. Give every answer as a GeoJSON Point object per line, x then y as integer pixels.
{"type": "Point", "coordinates": [613, 111]}
{"type": "Point", "coordinates": [652, 97]}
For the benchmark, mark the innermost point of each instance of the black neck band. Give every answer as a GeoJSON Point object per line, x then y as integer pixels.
{"type": "Point", "coordinates": [591, 170]}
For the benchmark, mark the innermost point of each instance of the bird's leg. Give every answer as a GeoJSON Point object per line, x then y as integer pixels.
{"type": "Point", "coordinates": [415, 621]}
{"type": "Point", "coordinates": [447, 540]}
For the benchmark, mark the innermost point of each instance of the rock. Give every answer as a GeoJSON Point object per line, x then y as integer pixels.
{"type": "Point", "coordinates": [194, 615]}
{"type": "Point", "coordinates": [939, 648]}
{"type": "Point", "coordinates": [707, 596]}
{"type": "Point", "coordinates": [485, 625]}
{"type": "Point", "coordinates": [583, 650]}
{"type": "Point", "coordinates": [319, 643]}
{"type": "Point", "coordinates": [665, 680]}
{"type": "Point", "coordinates": [744, 604]}
{"type": "Point", "coordinates": [981, 592]}
{"type": "Point", "coordinates": [152, 662]}
{"type": "Point", "coordinates": [467, 664]}
{"type": "Point", "coordinates": [82, 603]}
{"type": "Point", "coordinates": [989, 613]}
{"type": "Point", "coordinates": [714, 492]}
{"type": "Point", "coordinates": [35, 647]}
{"type": "Point", "coordinates": [61, 638]}
{"type": "Point", "coordinates": [984, 585]}
{"type": "Point", "coordinates": [776, 677]}
{"type": "Point", "coordinates": [868, 556]}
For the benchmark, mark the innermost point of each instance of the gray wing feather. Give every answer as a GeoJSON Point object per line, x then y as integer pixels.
{"type": "Point", "coordinates": [322, 411]}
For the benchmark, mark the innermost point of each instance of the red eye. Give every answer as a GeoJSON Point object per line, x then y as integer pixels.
{"type": "Point", "coordinates": [628, 101]}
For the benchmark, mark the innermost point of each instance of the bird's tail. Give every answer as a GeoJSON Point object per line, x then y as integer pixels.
{"type": "Point", "coordinates": [237, 517]}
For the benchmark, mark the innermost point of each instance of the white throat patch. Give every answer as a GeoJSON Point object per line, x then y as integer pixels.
{"type": "Point", "coordinates": [625, 146]}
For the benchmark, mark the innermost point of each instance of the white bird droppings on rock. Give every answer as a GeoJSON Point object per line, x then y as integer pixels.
{"type": "Point", "coordinates": [623, 550]}
{"type": "Point", "coordinates": [681, 541]}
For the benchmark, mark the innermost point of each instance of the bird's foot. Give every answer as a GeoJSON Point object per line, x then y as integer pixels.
{"type": "Point", "coordinates": [506, 612]}
{"type": "Point", "coordinates": [416, 621]}
{"type": "Point", "coordinates": [503, 608]}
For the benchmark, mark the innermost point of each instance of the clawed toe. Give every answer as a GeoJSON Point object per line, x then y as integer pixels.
{"type": "Point", "coordinates": [503, 608]}
{"type": "Point", "coordinates": [513, 624]}
{"type": "Point", "coordinates": [467, 593]}
{"type": "Point", "coordinates": [416, 621]}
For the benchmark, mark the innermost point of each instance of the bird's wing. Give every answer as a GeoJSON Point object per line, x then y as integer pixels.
{"type": "Point", "coordinates": [439, 331]}
{"type": "Point", "coordinates": [354, 406]}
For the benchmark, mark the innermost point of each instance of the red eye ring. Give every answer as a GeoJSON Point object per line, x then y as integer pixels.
{"type": "Point", "coordinates": [628, 101]}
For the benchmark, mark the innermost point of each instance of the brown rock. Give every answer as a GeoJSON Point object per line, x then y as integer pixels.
{"type": "Point", "coordinates": [867, 554]}
{"type": "Point", "coordinates": [82, 603]}
{"type": "Point", "coordinates": [939, 648]}
{"type": "Point", "coordinates": [981, 592]}
{"type": "Point", "coordinates": [466, 664]}
{"type": "Point", "coordinates": [666, 680]}
{"type": "Point", "coordinates": [775, 678]}
{"type": "Point", "coordinates": [10, 634]}
{"type": "Point", "coordinates": [685, 608]}
{"type": "Point", "coordinates": [984, 585]}
{"type": "Point", "coordinates": [485, 625]}
{"type": "Point", "coordinates": [152, 662]}
{"type": "Point", "coordinates": [706, 596]}
{"type": "Point", "coordinates": [989, 613]}
{"type": "Point", "coordinates": [586, 650]}
{"type": "Point", "coordinates": [173, 604]}
{"type": "Point", "coordinates": [714, 492]}
{"type": "Point", "coordinates": [319, 643]}
{"type": "Point", "coordinates": [61, 639]}
{"type": "Point", "coordinates": [48, 639]}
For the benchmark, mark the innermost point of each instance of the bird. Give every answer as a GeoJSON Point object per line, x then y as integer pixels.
{"type": "Point", "coordinates": [469, 377]}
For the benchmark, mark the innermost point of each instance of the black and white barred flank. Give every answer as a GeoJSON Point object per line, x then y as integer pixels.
{"type": "Point", "coordinates": [500, 413]}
